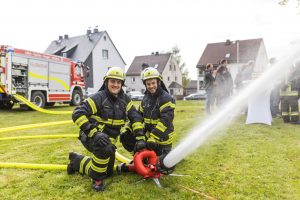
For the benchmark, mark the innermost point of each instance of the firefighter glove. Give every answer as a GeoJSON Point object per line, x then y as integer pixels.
{"type": "Point", "coordinates": [101, 139]}
{"type": "Point", "coordinates": [139, 145]}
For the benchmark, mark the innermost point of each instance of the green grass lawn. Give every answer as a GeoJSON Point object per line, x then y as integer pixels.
{"type": "Point", "coordinates": [241, 162]}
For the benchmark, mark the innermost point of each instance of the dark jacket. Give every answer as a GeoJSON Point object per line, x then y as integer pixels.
{"type": "Point", "coordinates": [106, 113]}
{"type": "Point", "coordinates": [209, 80]}
{"type": "Point", "coordinates": [158, 112]}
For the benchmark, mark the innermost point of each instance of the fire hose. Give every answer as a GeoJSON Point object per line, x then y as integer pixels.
{"type": "Point", "coordinates": [35, 107]}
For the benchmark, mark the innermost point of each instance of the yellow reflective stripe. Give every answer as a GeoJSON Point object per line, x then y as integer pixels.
{"type": "Point", "coordinates": [160, 126]}
{"type": "Point", "coordinates": [98, 169]}
{"type": "Point", "coordinates": [82, 163]}
{"type": "Point", "coordinates": [151, 139]}
{"type": "Point", "coordinates": [154, 136]}
{"type": "Point", "coordinates": [287, 93]}
{"type": "Point", "coordinates": [284, 113]}
{"type": "Point", "coordinates": [60, 81]}
{"type": "Point", "coordinates": [92, 105]}
{"type": "Point", "coordinates": [172, 105]}
{"type": "Point", "coordinates": [140, 137]}
{"type": "Point", "coordinates": [87, 167]}
{"type": "Point", "coordinates": [171, 134]}
{"type": "Point", "coordinates": [124, 128]}
{"type": "Point", "coordinates": [81, 120]}
{"type": "Point", "coordinates": [101, 127]}
{"type": "Point", "coordinates": [115, 122]}
{"type": "Point", "coordinates": [92, 132]}
{"type": "Point", "coordinates": [151, 121]}
{"type": "Point", "coordinates": [113, 140]}
{"type": "Point", "coordinates": [129, 106]}
{"type": "Point", "coordinates": [141, 108]}
{"type": "Point", "coordinates": [169, 141]}
{"type": "Point", "coordinates": [294, 113]}
{"type": "Point", "coordinates": [100, 161]}
{"type": "Point", "coordinates": [137, 125]}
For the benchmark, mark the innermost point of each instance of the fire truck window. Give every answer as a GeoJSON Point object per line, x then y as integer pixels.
{"type": "Point", "coordinates": [78, 70]}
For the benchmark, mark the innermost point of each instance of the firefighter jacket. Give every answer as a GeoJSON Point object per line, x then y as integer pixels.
{"type": "Point", "coordinates": [158, 113]}
{"type": "Point", "coordinates": [290, 89]}
{"type": "Point", "coordinates": [106, 113]}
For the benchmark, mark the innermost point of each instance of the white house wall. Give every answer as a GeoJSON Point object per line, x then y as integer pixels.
{"type": "Point", "coordinates": [136, 85]}
{"type": "Point", "coordinates": [100, 65]}
{"type": "Point", "coordinates": [171, 73]}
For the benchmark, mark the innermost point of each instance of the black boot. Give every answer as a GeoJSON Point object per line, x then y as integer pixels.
{"type": "Point", "coordinates": [98, 185]}
{"type": "Point", "coordinates": [71, 169]}
{"type": "Point", "coordinates": [121, 168]}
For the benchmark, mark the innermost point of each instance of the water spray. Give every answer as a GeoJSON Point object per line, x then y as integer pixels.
{"type": "Point", "coordinates": [202, 132]}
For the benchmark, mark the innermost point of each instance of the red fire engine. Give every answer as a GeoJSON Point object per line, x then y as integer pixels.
{"type": "Point", "coordinates": [41, 78]}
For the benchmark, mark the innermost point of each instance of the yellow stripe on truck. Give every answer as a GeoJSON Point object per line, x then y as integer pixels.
{"type": "Point", "coordinates": [64, 84]}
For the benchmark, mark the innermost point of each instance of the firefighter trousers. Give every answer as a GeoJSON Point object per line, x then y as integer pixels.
{"type": "Point", "coordinates": [290, 109]}
{"type": "Point", "coordinates": [100, 165]}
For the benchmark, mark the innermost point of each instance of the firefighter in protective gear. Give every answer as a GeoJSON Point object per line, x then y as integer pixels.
{"type": "Point", "coordinates": [289, 95]}
{"type": "Point", "coordinates": [157, 109]}
{"type": "Point", "coordinates": [100, 118]}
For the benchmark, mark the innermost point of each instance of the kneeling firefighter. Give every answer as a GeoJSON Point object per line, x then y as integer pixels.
{"type": "Point", "coordinates": [100, 118]}
{"type": "Point", "coordinates": [157, 108]}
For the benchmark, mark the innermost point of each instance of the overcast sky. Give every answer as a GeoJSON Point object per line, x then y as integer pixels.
{"type": "Point", "coordinates": [139, 27]}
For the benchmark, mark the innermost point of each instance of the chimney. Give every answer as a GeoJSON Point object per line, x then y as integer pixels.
{"type": "Point", "coordinates": [156, 53]}
{"type": "Point", "coordinates": [228, 42]}
{"type": "Point", "coordinates": [66, 36]}
{"type": "Point", "coordinates": [60, 37]}
{"type": "Point", "coordinates": [152, 53]}
{"type": "Point", "coordinates": [89, 31]}
{"type": "Point", "coordinates": [144, 66]}
{"type": "Point", "coordinates": [96, 29]}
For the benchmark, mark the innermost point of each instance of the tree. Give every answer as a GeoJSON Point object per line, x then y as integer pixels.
{"type": "Point", "coordinates": [183, 68]}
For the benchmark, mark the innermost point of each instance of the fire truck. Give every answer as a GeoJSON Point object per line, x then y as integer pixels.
{"type": "Point", "coordinates": [41, 78]}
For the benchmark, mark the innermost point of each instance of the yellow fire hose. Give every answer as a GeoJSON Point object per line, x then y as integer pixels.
{"type": "Point", "coordinates": [33, 166]}
{"type": "Point", "coordinates": [33, 106]}
{"type": "Point", "coordinates": [29, 126]}
{"type": "Point", "coordinates": [40, 137]}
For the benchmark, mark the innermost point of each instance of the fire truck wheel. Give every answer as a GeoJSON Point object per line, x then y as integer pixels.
{"type": "Point", "coordinates": [38, 99]}
{"type": "Point", "coordinates": [76, 98]}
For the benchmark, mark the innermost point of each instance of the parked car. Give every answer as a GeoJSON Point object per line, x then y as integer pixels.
{"type": "Point", "coordinates": [196, 96]}
{"type": "Point", "coordinates": [135, 95]}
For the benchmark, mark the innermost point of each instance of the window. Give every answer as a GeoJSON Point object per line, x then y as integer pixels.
{"type": "Point", "coordinates": [78, 70]}
{"type": "Point", "coordinates": [104, 38]}
{"type": "Point", "coordinates": [170, 67]}
{"type": "Point", "coordinates": [175, 78]}
{"type": "Point", "coordinates": [133, 79]}
{"type": "Point", "coordinates": [174, 67]}
{"type": "Point", "coordinates": [168, 78]}
{"type": "Point", "coordinates": [104, 53]}
{"type": "Point", "coordinates": [133, 90]}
